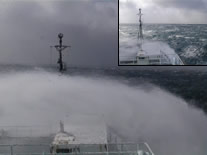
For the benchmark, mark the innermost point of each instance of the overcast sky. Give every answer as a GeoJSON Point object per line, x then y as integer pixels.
{"type": "Point", "coordinates": [29, 27]}
{"type": "Point", "coordinates": [164, 11]}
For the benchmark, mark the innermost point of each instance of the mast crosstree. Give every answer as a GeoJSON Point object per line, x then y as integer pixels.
{"type": "Point", "coordinates": [60, 48]}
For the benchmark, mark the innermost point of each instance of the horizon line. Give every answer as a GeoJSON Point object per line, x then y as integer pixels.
{"type": "Point", "coordinates": [171, 23]}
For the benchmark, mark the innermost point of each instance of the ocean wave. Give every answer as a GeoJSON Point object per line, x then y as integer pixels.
{"type": "Point", "coordinates": [180, 38]}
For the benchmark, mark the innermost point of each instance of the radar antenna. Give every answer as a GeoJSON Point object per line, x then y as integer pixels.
{"type": "Point", "coordinates": [60, 48]}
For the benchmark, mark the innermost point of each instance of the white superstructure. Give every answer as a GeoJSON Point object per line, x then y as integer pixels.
{"type": "Point", "coordinates": [86, 134]}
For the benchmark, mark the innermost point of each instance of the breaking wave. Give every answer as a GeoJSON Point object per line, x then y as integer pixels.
{"type": "Point", "coordinates": [152, 115]}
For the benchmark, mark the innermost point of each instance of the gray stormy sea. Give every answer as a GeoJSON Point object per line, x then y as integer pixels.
{"type": "Point", "coordinates": [188, 41]}
{"type": "Point", "coordinates": [139, 112]}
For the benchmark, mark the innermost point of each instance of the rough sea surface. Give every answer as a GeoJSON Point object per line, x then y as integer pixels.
{"type": "Point", "coordinates": [188, 41]}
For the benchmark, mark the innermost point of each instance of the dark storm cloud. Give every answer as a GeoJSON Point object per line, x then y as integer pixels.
{"type": "Point", "coordinates": [129, 4]}
{"type": "Point", "coordinates": [90, 27]}
{"type": "Point", "coordinates": [165, 11]}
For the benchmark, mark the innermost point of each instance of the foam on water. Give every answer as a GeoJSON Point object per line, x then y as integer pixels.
{"type": "Point", "coordinates": [191, 51]}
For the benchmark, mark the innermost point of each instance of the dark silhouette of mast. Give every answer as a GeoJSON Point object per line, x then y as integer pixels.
{"type": "Point", "coordinates": [140, 33]}
{"type": "Point", "coordinates": [60, 48]}
{"type": "Point", "coordinates": [141, 54]}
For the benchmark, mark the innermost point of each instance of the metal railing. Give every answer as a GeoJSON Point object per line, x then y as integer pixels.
{"type": "Point", "coordinates": [89, 149]}
{"type": "Point", "coordinates": [27, 131]}
{"type": "Point", "coordinates": [164, 59]}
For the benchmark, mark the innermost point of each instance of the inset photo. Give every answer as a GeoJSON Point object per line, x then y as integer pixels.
{"type": "Point", "coordinates": [162, 32]}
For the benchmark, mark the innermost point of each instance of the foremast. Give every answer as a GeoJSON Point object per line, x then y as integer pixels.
{"type": "Point", "coordinates": [141, 54]}
{"type": "Point", "coordinates": [140, 33]}
{"type": "Point", "coordinates": [60, 48]}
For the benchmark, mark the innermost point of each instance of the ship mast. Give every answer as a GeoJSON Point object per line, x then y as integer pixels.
{"type": "Point", "coordinates": [141, 54]}
{"type": "Point", "coordinates": [140, 33]}
{"type": "Point", "coordinates": [60, 48]}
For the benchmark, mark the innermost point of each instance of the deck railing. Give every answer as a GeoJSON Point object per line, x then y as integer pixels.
{"type": "Point", "coordinates": [27, 131]}
{"type": "Point", "coordinates": [84, 149]}
{"type": "Point", "coordinates": [164, 59]}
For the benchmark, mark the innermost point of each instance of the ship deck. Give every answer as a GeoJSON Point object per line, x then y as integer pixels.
{"type": "Point", "coordinates": [92, 149]}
